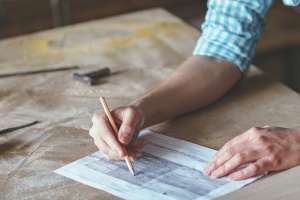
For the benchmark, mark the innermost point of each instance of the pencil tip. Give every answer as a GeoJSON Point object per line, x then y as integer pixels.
{"type": "Point", "coordinates": [132, 172]}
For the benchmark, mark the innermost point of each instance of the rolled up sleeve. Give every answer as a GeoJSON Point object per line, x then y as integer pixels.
{"type": "Point", "coordinates": [231, 30]}
{"type": "Point", "coordinates": [291, 2]}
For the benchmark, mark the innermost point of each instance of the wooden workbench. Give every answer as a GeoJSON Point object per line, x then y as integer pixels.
{"type": "Point", "coordinates": [143, 48]}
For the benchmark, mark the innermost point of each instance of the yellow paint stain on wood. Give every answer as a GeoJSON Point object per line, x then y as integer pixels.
{"type": "Point", "coordinates": [144, 32]}
{"type": "Point", "coordinates": [40, 45]}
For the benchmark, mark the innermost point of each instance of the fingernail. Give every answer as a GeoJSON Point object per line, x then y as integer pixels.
{"type": "Point", "coordinates": [206, 171]}
{"type": "Point", "coordinates": [125, 139]}
{"type": "Point", "coordinates": [214, 174]}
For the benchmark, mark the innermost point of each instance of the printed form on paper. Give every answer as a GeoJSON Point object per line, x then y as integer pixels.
{"type": "Point", "coordinates": [169, 168]}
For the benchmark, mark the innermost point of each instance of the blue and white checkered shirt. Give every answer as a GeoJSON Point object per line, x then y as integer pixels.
{"type": "Point", "coordinates": [232, 28]}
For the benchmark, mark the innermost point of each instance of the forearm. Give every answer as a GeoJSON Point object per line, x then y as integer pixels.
{"type": "Point", "coordinates": [199, 81]}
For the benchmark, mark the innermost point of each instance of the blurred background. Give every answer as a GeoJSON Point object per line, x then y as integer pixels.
{"type": "Point", "coordinates": [278, 51]}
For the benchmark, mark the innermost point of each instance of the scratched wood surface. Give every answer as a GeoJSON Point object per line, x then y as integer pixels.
{"type": "Point", "coordinates": [144, 48]}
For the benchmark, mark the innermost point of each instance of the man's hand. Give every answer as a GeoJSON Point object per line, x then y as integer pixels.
{"type": "Point", "coordinates": [267, 149]}
{"type": "Point", "coordinates": [129, 120]}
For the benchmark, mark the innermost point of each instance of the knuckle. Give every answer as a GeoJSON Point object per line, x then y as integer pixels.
{"type": "Point", "coordinates": [269, 149]}
{"type": "Point", "coordinates": [130, 110]}
{"type": "Point", "coordinates": [241, 173]}
{"type": "Point", "coordinates": [275, 160]}
{"type": "Point", "coordinates": [255, 168]}
{"type": "Point", "coordinates": [222, 169]}
{"type": "Point", "coordinates": [240, 157]}
{"type": "Point", "coordinates": [214, 164]}
{"type": "Point", "coordinates": [262, 140]}
{"type": "Point", "coordinates": [93, 132]}
{"type": "Point", "coordinates": [229, 143]}
{"type": "Point", "coordinates": [230, 151]}
{"type": "Point", "coordinates": [97, 116]}
{"type": "Point", "coordinates": [255, 132]}
{"type": "Point", "coordinates": [133, 113]}
{"type": "Point", "coordinates": [108, 138]}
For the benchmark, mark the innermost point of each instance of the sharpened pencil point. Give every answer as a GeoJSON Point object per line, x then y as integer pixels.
{"type": "Point", "coordinates": [132, 172]}
{"type": "Point", "coordinates": [129, 164]}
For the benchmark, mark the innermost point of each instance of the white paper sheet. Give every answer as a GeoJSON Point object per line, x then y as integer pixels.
{"type": "Point", "coordinates": [168, 169]}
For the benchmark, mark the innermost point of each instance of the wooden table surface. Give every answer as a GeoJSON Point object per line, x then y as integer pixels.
{"type": "Point", "coordinates": [144, 48]}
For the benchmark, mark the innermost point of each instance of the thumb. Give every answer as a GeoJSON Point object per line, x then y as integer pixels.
{"type": "Point", "coordinates": [130, 120]}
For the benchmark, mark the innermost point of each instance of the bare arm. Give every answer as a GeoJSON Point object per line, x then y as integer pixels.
{"type": "Point", "coordinates": [199, 81]}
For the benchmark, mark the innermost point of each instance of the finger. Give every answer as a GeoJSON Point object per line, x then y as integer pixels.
{"type": "Point", "coordinates": [111, 140]}
{"type": "Point", "coordinates": [236, 161]}
{"type": "Point", "coordinates": [139, 143]}
{"type": "Point", "coordinates": [135, 150]}
{"type": "Point", "coordinates": [108, 152]}
{"type": "Point", "coordinates": [229, 150]}
{"type": "Point", "coordinates": [104, 148]}
{"type": "Point", "coordinates": [102, 130]}
{"type": "Point", "coordinates": [134, 153]}
{"type": "Point", "coordinates": [127, 129]}
{"type": "Point", "coordinates": [251, 170]}
{"type": "Point", "coordinates": [231, 145]}
{"type": "Point", "coordinates": [219, 160]}
{"type": "Point", "coordinates": [237, 144]}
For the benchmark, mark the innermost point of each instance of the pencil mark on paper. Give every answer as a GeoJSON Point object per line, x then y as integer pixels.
{"type": "Point", "coordinates": [168, 169]}
{"type": "Point", "coordinates": [159, 175]}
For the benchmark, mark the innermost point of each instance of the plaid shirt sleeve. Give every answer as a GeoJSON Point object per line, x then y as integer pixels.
{"type": "Point", "coordinates": [232, 28]}
{"type": "Point", "coordinates": [291, 2]}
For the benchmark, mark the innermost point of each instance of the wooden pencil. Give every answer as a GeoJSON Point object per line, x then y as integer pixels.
{"type": "Point", "coordinates": [112, 123]}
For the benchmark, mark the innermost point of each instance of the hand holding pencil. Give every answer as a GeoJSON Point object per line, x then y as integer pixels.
{"type": "Point", "coordinates": [111, 145]}
{"type": "Point", "coordinates": [112, 123]}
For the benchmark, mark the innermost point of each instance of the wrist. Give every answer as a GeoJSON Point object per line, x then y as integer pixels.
{"type": "Point", "coordinates": [144, 110]}
{"type": "Point", "coordinates": [297, 133]}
